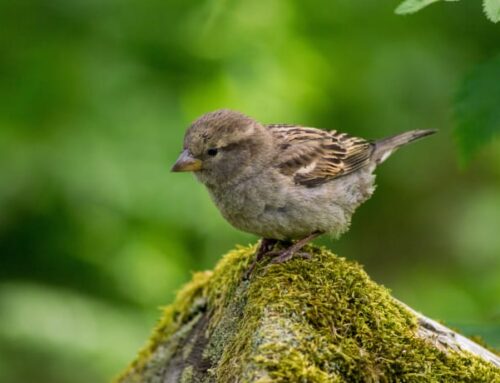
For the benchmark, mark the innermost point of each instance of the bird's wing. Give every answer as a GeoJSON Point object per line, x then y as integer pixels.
{"type": "Point", "coordinates": [313, 156]}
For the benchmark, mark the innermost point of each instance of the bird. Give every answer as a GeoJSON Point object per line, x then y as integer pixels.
{"type": "Point", "coordinates": [285, 183]}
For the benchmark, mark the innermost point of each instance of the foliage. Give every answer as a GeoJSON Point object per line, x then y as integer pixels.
{"type": "Point", "coordinates": [477, 108]}
{"type": "Point", "coordinates": [412, 6]}
{"type": "Point", "coordinates": [491, 7]}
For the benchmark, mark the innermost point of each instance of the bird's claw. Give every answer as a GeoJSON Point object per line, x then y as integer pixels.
{"type": "Point", "coordinates": [279, 256]}
{"type": "Point", "coordinates": [264, 249]}
{"type": "Point", "coordinates": [304, 255]}
{"type": "Point", "coordinates": [286, 254]}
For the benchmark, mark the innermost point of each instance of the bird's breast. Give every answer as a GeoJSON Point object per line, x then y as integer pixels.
{"type": "Point", "coordinates": [270, 206]}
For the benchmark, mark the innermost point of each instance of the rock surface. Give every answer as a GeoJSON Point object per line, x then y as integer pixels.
{"type": "Point", "coordinates": [308, 320]}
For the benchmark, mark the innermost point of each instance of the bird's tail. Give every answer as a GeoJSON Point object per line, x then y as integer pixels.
{"type": "Point", "coordinates": [386, 146]}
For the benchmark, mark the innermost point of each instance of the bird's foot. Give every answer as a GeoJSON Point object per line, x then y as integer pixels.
{"type": "Point", "coordinates": [286, 254]}
{"type": "Point", "coordinates": [266, 245]}
{"type": "Point", "coordinates": [279, 256]}
{"type": "Point", "coordinates": [293, 250]}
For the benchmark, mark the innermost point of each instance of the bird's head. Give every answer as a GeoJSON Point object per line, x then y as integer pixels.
{"type": "Point", "coordinates": [223, 146]}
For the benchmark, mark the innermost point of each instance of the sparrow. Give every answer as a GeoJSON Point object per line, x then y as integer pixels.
{"type": "Point", "coordinates": [284, 182]}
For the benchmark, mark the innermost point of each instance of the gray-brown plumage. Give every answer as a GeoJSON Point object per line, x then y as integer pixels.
{"type": "Point", "coordinates": [284, 182]}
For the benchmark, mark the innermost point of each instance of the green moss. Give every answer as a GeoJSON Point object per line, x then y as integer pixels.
{"type": "Point", "coordinates": [175, 322]}
{"type": "Point", "coordinates": [187, 375]}
{"type": "Point", "coordinates": [317, 320]}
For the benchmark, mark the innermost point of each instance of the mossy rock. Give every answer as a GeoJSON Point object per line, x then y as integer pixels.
{"type": "Point", "coordinates": [307, 320]}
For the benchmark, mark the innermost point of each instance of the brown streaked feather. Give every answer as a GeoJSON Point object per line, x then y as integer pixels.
{"type": "Point", "coordinates": [313, 156]}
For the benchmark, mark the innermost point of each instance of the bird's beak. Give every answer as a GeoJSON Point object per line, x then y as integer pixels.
{"type": "Point", "coordinates": [186, 163]}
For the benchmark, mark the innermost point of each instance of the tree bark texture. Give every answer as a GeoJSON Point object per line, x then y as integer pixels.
{"type": "Point", "coordinates": [307, 320]}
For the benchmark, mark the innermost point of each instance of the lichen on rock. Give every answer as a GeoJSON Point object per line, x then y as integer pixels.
{"type": "Point", "coordinates": [307, 320]}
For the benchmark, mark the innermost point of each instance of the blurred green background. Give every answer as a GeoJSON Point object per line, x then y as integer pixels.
{"type": "Point", "coordinates": [96, 233]}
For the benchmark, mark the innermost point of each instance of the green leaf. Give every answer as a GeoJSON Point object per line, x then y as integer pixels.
{"type": "Point", "coordinates": [492, 9]}
{"type": "Point", "coordinates": [477, 108]}
{"type": "Point", "coordinates": [412, 6]}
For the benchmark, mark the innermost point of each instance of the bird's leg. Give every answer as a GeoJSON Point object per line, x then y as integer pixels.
{"type": "Point", "coordinates": [266, 245]}
{"type": "Point", "coordinates": [286, 254]}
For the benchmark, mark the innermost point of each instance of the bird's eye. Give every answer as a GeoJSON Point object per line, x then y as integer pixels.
{"type": "Point", "coordinates": [212, 152]}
